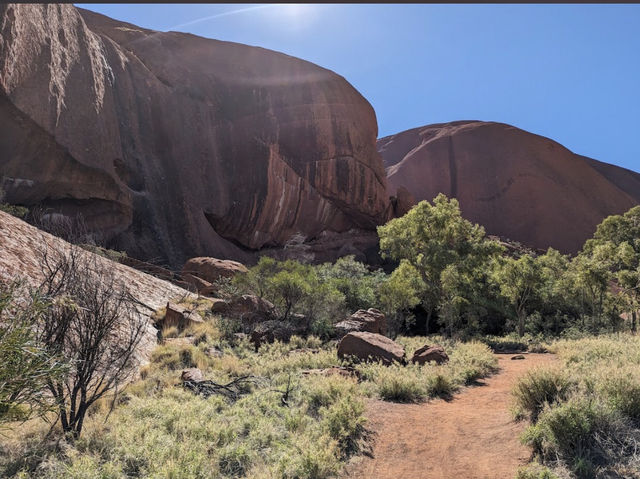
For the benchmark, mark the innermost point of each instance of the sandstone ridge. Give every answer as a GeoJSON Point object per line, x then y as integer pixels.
{"type": "Point", "coordinates": [516, 184]}
{"type": "Point", "coordinates": [173, 145]}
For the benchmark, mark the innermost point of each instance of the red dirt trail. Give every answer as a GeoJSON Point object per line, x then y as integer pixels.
{"type": "Point", "coordinates": [472, 436]}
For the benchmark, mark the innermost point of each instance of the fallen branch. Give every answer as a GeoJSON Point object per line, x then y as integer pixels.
{"type": "Point", "coordinates": [231, 390]}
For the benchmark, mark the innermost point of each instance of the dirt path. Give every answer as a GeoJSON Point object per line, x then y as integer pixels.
{"type": "Point", "coordinates": [470, 437]}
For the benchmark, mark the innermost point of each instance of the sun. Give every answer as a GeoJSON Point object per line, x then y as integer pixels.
{"type": "Point", "coordinates": [294, 11]}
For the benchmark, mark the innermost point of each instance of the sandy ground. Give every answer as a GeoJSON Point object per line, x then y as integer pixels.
{"type": "Point", "coordinates": [471, 436]}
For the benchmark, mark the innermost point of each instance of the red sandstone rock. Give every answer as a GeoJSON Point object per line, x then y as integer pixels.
{"type": "Point", "coordinates": [516, 184]}
{"type": "Point", "coordinates": [203, 271]}
{"type": "Point", "coordinates": [173, 145]}
{"type": "Point", "coordinates": [179, 317]}
{"type": "Point", "coordinates": [428, 353]}
{"type": "Point", "coordinates": [370, 320]}
{"type": "Point", "coordinates": [370, 347]}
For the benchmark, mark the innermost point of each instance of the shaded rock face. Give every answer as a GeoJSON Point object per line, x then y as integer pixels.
{"type": "Point", "coordinates": [370, 347]}
{"type": "Point", "coordinates": [516, 184]}
{"type": "Point", "coordinates": [174, 146]}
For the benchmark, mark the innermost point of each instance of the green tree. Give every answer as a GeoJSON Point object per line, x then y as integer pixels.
{"type": "Point", "coordinates": [619, 237]}
{"type": "Point", "coordinates": [431, 237]}
{"type": "Point", "coordinates": [400, 293]}
{"type": "Point", "coordinates": [355, 281]}
{"type": "Point", "coordinates": [520, 281]}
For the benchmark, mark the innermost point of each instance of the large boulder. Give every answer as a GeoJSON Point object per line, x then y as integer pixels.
{"type": "Point", "coordinates": [172, 145]}
{"type": "Point", "coordinates": [428, 354]}
{"type": "Point", "coordinates": [371, 347]}
{"type": "Point", "coordinates": [516, 184]}
{"type": "Point", "coordinates": [248, 307]}
{"type": "Point", "coordinates": [272, 330]}
{"type": "Point", "coordinates": [203, 271]}
{"type": "Point", "coordinates": [179, 317]}
{"type": "Point", "coordinates": [193, 375]}
{"type": "Point", "coordinates": [370, 320]}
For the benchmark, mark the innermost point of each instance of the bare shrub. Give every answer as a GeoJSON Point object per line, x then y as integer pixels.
{"type": "Point", "coordinates": [93, 322]}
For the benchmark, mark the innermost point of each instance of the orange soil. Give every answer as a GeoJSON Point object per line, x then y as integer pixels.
{"type": "Point", "coordinates": [472, 436]}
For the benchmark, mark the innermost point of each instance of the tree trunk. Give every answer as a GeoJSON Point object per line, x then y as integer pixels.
{"type": "Point", "coordinates": [521, 318]}
{"type": "Point", "coordinates": [426, 324]}
{"type": "Point", "coordinates": [633, 321]}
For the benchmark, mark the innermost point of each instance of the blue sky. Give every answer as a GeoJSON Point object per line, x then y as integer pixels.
{"type": "Point", "coordinates": [568, 72]}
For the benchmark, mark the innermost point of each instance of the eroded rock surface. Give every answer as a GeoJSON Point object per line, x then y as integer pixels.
{"type": "Point", "coordinates": [21, 247]}
{"type": "Point", "coordinates": [173, 145]}
{"type": "Point", "coordinates": [516, 184]}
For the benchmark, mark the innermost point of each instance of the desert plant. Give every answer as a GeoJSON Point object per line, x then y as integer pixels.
{"type": "Point", "coordinates": [26, 367]}
{"type": "Point", "coordinates": [93, 322]}
{"type": "Point", "coordinates": [538, 388]}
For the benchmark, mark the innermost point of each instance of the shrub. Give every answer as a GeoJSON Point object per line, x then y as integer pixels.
{"type": "Point", "coordinates": [620, 387]}
{"type": "Point", "coordinates": [344, 422]}
{"type": "Point", "coordinates": [535, 471]}
{"type": "Point", "coordinates": [14, 210]}
{"type": "Point", "coordinates": [394, 385]}
{"type": "Point", "coordinates": [537, 388]}
{"type": "Point", "coordinates": [582, 432]}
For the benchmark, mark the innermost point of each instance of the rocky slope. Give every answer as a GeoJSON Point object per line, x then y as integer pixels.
{"type": "Point", "coordinates": [518, 185]}
{"type": "Point", "coordinates": [22, 245]}
{"type": "Point", "coordinates": [172, 145]}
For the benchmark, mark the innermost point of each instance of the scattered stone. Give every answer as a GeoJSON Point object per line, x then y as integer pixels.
{"type": "Point", "coordinates": [178, 316]}
{"type": "Point", "coordinates": [371, 347]}
{"type": "Point", "coordinates": [519, 356]}
{"type": "Point", "coordinates": [214, 352]}
{"type": "Point", "coordinates": [347, 372]}
{"type": "Point", "coordinates": [430, 353]}
{"type": "Point", "coordinates": [370, 320]}
{"type": "Point", "coordinates": [192, 375]}
{"type": "Point", "coordinates": [184, 341]}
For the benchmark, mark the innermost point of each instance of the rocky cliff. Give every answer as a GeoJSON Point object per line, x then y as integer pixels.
{"type": "Point", "coordinates": [172, 145]}
{"type": "Point", "coordinates": [518, 185]}
{"type": "Point", "coordinates": [23, 246]}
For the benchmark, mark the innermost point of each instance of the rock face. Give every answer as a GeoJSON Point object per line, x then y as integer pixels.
{"type": "Point", "coordinates": [20, 247]}
{"type": "Point", "coordinates": [516, 184]}
{"type": "Point", "coordinates": [370, 320]}
{"type": "Point", "coordinates": [174, 146]}
{"type": "Point", "coordinates": [430, 353]}
{"type": "Point", "coordinates": [370, 347]}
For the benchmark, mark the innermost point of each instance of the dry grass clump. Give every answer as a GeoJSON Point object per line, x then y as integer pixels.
{"type": "Point", "coordinates": [286, 424]}
{"type": "Point", "coordinates": [413, 383]}
{"type": "Point", "coordinates": [586, 413]}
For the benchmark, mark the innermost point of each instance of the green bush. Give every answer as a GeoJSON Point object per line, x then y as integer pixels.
{"type": "Point", "coordinates": [535, 471]}
{"type": "Point", "coordinates": [344, 422]}
{"type": "Point", "coordinates": [537, 388]}
{"type": "Point", "coordinates": [570, 430]}
{"type": "Point", "coordinates": [14, 210]}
